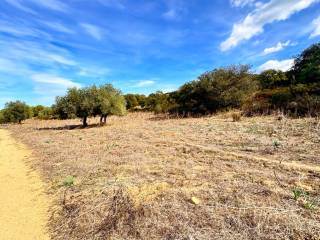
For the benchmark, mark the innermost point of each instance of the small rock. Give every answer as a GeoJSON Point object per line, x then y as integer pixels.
{"type": "Point", "coordinates": [195, 201]}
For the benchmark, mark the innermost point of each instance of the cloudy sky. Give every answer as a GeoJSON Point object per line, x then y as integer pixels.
{"type": "Point", "coordinates": [141, 46]}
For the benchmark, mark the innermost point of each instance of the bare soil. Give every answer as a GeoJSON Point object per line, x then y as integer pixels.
{"type": "Point", "coordinates": [23, 204]}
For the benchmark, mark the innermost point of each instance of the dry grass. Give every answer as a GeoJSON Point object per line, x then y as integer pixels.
{"type": "Point", "coordinates": [135, 178]}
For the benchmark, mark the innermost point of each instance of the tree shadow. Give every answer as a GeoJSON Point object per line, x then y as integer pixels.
{"type": "Point", "coordinates": [72, 127]}
{"type": "Point", "coordinates": [162, 117]}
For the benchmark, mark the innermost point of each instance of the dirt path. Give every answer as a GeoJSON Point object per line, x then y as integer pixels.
{"type": "Point", "coordinates": [23, 205]}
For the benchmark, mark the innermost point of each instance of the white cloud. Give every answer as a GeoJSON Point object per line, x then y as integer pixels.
{"type": "Point", "coordinates": [60, 59]}
{"type": "Point", "coordinates": [54, 80]}
{"type": "Point", "coordinates": [145, 83]}
{"type": "Point", "coordinates": [316, 28]}
{"type": "Point", "coordinates": [241, 3]}
{"type": "Point", "coordinates": [50, 85]}
{"type": "Point", "coordinates": [283, 65]}
{"type": "Point", "coordinates": [280, 46]}
{"type": "Point", "coordinates": [92, 30]}
{"type": "Point", "coordinates": [93, 71]}
{"type": "Point", "coordinates": [267, 13]}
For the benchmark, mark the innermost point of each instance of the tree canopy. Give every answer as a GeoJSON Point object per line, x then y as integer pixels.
{"type": "Point", "coordinates": [90, 101]}
{"type": "Point", "coordinates": [15, 112]}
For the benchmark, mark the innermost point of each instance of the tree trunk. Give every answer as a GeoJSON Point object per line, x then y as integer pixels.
{"type": "Point", "coordinates": [103, 119]}
{"type": "Point", "coordinates": [84, 122]}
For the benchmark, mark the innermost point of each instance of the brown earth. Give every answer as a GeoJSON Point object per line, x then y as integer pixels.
{"type": "Point", "coordinates": [23, 205]}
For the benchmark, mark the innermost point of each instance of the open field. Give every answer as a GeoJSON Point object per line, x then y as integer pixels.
{"type": "Point", "coordinates": [142, 177]}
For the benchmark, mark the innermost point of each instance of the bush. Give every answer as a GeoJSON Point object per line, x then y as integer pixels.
{"type": "Point", "coordinates": [36, 110]}
{"type": "Point", "coordinates": [217, 90]}
{"type": "Point", "coordinates": [16, 112]}
{"type": "Point", "coordinates": [45, 114]}
{"type": "Point", "coordinates": [1, 117]}
{"type": "Point", "coordinates": [236, 117]}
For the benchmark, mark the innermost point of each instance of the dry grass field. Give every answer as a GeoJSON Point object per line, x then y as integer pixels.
{"type": "Point", "coordinates": [146, 177]}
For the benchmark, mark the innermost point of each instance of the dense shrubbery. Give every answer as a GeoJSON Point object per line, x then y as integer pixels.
{"type": "Point", "coordinates": [135, 102]}
{"type": "Point", "coordinates": [217, 90]}
{"type": "Point", "coordinates": [296, 92]}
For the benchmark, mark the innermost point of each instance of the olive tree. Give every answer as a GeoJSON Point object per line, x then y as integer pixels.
{"type": "Point", "coordinates": [90, 101]}
{"type": "Point", "coordinates": [16, 112]}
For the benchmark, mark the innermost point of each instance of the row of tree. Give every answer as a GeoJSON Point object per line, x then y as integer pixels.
{"type": "Point", "coordinates": [295, 92]}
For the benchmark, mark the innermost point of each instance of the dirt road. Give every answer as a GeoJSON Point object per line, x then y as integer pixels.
{"type": "Point", "coordinates": [23, 205]}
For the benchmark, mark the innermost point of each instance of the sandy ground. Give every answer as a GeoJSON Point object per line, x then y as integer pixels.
{"type": "Point", "coordinates": [23, 205]}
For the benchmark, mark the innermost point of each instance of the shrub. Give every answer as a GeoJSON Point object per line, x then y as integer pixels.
{"type": "Point", "coordinates": [216, 90]}
{"type": "Point", "coordinates": [236, 117]}
{"type": "Point", "coordinates": [1, 117]}
{"type": "Point", "coordinates": [45, 114]}
{"type": "Point", "coordinates": [36, 110]}
{"type": "Point", "coordinates": [16, 112]}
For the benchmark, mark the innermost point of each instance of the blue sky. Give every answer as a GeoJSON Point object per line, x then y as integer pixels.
{"type": "Point", "coordinates": [142, 46]}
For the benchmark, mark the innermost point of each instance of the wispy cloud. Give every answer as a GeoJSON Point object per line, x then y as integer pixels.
{"type": "Point", "coordinates": [283, 65]}
{"type": "Point", "coordinates": [241, 3]}
{"type": "Point", "coordinates": [144, 83]}
{"type": "Point", "coordinates": [316, 28]}
{"type": "Point", "coordinates": [18, 29]}
{"type": "Point", "coordinates": [280, 46]}
{"type": "Point", "coordinates": [92, 30]}
{"type": "Point", "coordinates": [50, 85]}
{"type": "Point", "coordinates": [51, 4]}
{"type": "Point", "coordinates": [93, 71]}
{"type": "Point", "coordinates": [58, 27]}
{"type": "Point", "coordinates": [264, 14]}
{"type": "Point", "coordinates": [175, 8]}
{"type": "Point", "coordinates": [19, 5]}
{"type": "Point", "coordinates": [54, 80]}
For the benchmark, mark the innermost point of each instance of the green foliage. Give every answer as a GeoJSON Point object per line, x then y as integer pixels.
{"type": "Point", "coordinates": [296, 92]}
{"type": "Point", "coordinates": [90, 101]}
{"type": "Point", "coordinates": [1, 117]}
{"type": "Point", "coordinates": [307, 66]}
{"type": "Point", "coordinates": [219, 89]}
{"type": "Point", "coordinates": [16, 112]}
{"type": "Point", "coordinates": [132, 101]}
{"type": "Point", "coordinates": [276, 144]}
{"type": "Point", "coordinates": [68, 181]}
{"type": "Point", "coordinates": [45, 114]}
{"type": "Point", "coordinates": [160, 102]}
{"type": "Point", "coordinates": [272, 79]}
{"type": "Point", "coordinates": [297, 193]}
{"type": "Point", "coordinates": [309, 202]}
{"type": "Point", "coordinates": [36, 110]}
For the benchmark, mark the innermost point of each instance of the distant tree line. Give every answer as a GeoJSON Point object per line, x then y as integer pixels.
{"type": "Point", "coordinates": [295, 92]}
